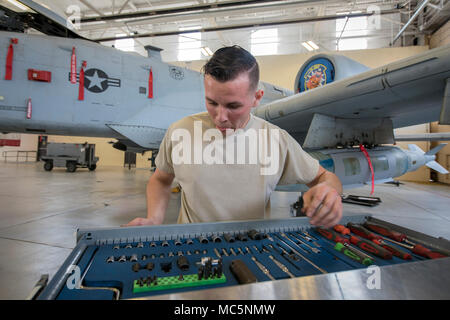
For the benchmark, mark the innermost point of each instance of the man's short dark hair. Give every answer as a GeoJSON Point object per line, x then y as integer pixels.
{"type": "Point", "coordinates": [229, 62]}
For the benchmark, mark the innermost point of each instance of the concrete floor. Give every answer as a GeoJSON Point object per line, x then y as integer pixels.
{"type": "Point", "coordinates": [40, 212]}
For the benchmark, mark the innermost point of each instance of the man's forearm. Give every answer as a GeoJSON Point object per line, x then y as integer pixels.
{"type": "Point", "coordinates": [158, 195]}
{"type": "Point", "coordinates": [331, 180]}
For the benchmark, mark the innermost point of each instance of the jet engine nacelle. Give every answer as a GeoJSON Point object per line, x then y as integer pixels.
{"type": "Point", "coordinates": [322, 69]}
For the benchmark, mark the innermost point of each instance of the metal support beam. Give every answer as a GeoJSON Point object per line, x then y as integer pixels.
{"type": "Point", "coordinates": [132, 6]}
{"type": "Point", "coordinates": [121, 8]}
{"type": "Point", "coordinates": [243, 26]}
{"type": "Point", "coordinates": [207, 6]}
{"type": "Point", "coordinates": [90, 6]}
{"type": "Point", "coordinates": [414, 16]}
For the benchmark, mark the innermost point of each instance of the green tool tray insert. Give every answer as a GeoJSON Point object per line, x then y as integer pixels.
{"type": "Point", "coordinates": [173, 282]}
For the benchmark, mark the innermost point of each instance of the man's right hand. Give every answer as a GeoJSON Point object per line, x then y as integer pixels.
{"type": "Point", "coordinates": [139, 222]}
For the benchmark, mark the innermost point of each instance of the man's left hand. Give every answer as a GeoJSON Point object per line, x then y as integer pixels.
{"type": "Point", "coordinates": [323, 205]}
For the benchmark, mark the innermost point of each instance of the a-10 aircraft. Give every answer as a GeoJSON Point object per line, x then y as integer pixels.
{"type": "Point", "coordinates": [62, 84]}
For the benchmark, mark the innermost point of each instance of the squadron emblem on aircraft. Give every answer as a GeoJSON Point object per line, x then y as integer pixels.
{"type": "Point", "coordinates": [315, 76]}
{"type": "Point", "coordinates": [176, 73]}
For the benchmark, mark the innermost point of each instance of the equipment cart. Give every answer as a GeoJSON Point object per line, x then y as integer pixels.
{"type": "Point", "coordinates": [70, 156]}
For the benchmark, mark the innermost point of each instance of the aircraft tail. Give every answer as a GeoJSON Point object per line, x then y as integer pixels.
{"type": "Point", "coordinates": [433, 164]}
{"type": "Point", "coordinates": [435, 149]}
{"type": "Point", "coordinates": [415, 148]}
{"type": "Point", "coordinates": [436, 166]}
{"type": "Point", "coordinates": [430, 157]}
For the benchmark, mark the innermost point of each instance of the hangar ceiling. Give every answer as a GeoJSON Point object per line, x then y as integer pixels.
{"type": "Point", "coordinates": [189, 30]}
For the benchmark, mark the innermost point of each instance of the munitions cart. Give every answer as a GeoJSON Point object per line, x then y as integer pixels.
{"type": "Point", "coordinates": [70, 156]}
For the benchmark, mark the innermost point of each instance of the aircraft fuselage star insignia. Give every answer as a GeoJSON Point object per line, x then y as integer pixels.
{"type": "Point", "coordinates": [97, 81]}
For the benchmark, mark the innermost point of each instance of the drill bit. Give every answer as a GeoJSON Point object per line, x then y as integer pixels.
{"type": "Point", "coordinates": [315, 250]}
{"type": "Point", "coordinates": [281, 266]}
{"type": "Point", "coordinates": [263, 268]}
{"type": "Point", "coordinates": [306, 259]}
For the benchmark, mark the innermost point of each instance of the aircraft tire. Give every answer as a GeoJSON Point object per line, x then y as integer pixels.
{"type": "Point", "coordinates": [48, 166]}
{"type": "Point", "coordinates": [71, 166]}
{"type": "Point", "coordinates": [92, 167]}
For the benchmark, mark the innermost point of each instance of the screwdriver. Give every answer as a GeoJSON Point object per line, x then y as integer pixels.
{"type": "Point", "coordinates": [399, 238]}
{"type": "Point", "coordinates": [420, 250]}
{"type": "Point", "coordinates": [363, 232]}
{"type": "Point", "coordinates": [341, 229]}
{"type": "Point", "coordinates": [396, 252]}
{"type": "Point", "coordinates": [353, 254]}
{"type": "Point", "coordinates": [331, 235]}
{"type": "Point", "coordinates": [344, 231]}
{"type": "Point", "coordinates": [371, 247]}
{"type": "Point", "coordinates": [363, 244]}
{"type": "Point", "coordinates": [358, 251]}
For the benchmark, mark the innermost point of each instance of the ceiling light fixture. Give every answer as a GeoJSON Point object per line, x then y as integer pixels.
{"type": "Point", "coordinates": [190, 28]}
{"type": "Point", "coordinates": [313, 45]}
{"type": "Point", "coordinates": [307, 46]}
{"type": "Point", "coordinates": [206, 51]}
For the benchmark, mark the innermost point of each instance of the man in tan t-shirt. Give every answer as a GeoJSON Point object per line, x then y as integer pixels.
{"type": "Point", "coordinates": [228, 161]}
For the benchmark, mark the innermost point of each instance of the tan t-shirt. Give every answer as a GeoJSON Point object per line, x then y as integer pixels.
{"type": "Point", "coordinates": [230, 177]}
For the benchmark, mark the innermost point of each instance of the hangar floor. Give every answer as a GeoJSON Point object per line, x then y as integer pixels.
{"type": "Point", "coordinates": [40, 212]}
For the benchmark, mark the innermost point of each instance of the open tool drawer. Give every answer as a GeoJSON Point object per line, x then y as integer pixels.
{"type": "Point", "coordinates": [197, 261]}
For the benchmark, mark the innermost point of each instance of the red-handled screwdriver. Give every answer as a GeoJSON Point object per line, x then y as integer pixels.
{"type": "Point", "coordinates": [425, 252]}
{"type": "Point", "coordinates": [371, 247]}
{"type": "Point", "coordinates": [420, 250]}
{"type": "Point", "coordinates": [397, 236]}
{"type": "Point", "coordinates": [396, 252]}
{"type": "Point", "coordinates": [341, 229]}
{"type": "Point", "coordinates": [365, 245]}
{"type": "Point", "coordinates": [363, 232]}
{"type": "Point", "coordinates": [415, 248]}
{"type": "Point", "coordinates": [331, 235]}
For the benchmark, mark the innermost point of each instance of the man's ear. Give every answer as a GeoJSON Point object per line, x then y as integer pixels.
{"type": "Point", "coordinates": [258, 96]}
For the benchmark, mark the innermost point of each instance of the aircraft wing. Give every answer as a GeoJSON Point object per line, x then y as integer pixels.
{"type": "Point", "coordinates": [367, 106]}
{"type": "Point", "coordinates": [435, 136]}
{"type": "Point", "coordinates": [33, 15]}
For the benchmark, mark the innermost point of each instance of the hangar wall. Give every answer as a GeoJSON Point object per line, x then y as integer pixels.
{"type": "Point", "coordinates": [107, 154]}
{"type": "Point", "coordinates": [441, 37]}
{"type": "Point", "coordinates": [28, 142]}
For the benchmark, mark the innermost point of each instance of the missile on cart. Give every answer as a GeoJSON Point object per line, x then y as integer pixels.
{"type": "Point", "coordinates": [352, 166]}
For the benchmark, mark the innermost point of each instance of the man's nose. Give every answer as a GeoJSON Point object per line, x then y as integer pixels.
{"type": "Point", "coordinates": [222, 114]}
